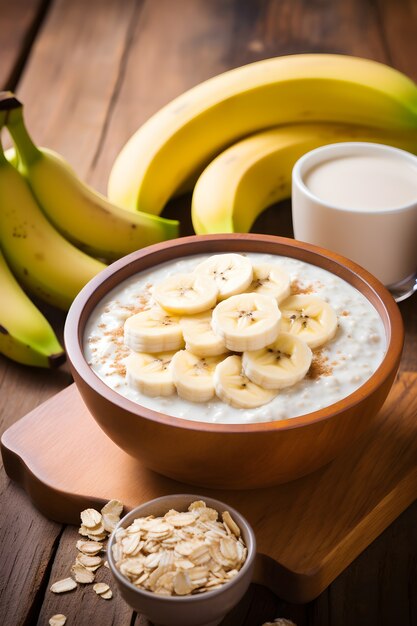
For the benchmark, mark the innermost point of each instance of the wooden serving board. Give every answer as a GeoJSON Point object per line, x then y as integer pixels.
{"type": "Point", "coordinates": [307, 531]}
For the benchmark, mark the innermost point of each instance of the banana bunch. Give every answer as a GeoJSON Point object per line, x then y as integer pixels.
{"type": "Point", "coordinates": [244, 346]}
{"type": "Point", "coordinates": [53, 229]}
{"type": "Point", "coordinates": [248, 126]}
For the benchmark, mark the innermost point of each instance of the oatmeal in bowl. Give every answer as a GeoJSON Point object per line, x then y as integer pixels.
{"type": "Point", "coordinates": [287, 338]}
{"type": "Point", "coordinates": [197, 354]}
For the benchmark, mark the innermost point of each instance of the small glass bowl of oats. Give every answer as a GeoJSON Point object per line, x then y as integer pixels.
{"type": "Point", "coordinates": [182, 560]}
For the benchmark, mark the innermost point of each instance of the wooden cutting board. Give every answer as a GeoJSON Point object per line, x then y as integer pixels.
{"type": "Point", "coordinates": [307, 531]}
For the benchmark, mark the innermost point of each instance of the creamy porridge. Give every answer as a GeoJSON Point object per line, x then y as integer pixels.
{"type": "Point", "coordinates": [342, 361]}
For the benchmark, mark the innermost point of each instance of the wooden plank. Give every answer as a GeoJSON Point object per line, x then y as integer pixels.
{"type": "Point", "coordinates": [81, 606]}
{"type": "Point", "coordinates": [19, 22]}
{"type": "Point", "coordinates": [324, 520]}
{"type": "Point", "coordinates": [379, 586]}
{"type": "Point", "coordinates": [398, 21]}
{"type": "Point", "coordinates": [69, 80]}
{"type": "Point", "coordinates": [27, 542]}
{"type": "Point", "coordinates": [224, 34]}
{"type": "Point", "coordinates": [27, 538]}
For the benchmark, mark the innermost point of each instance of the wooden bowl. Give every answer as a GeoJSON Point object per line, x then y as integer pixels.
{"type": "Point", "coordinates": [233, 456]}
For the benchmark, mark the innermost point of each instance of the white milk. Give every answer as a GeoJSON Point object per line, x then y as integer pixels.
{"type": "Point", "coordinates": [364, 182]}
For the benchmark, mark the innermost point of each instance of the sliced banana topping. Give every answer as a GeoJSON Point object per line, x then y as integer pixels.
{"type": "Point", "coordinates": [193, 375]}
{"type": "Point", "coordinates": [273, 331]}
{"type": "Point", "coordinates": [200, 338]}
{"type": "Point", "coordinates": [310, 318]}
{"type": "Point", "coordinates": [248, 321]}
{"type": "Point", "coordinates": [232, 273]}
{"type": "Point", "coordinates": [234, 387]}
{"type": "Point", "coordinates": [281, 364]}
{"type": "Point", "coordinates": [153, 330]}
{"type": "Point", "coordinates": [186, 294]}
{"type": "Point", "coordinates": [270, 280]}
{"type": "Point", "coordinates": [150, 373]}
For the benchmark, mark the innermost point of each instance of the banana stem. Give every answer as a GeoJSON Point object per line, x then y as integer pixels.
{"type": "Point", "coordinates": [26, 149]}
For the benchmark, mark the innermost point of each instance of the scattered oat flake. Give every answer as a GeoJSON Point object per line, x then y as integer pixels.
{"type": "Point", "coordinates": [96, 531]}
{"type": "Point", "coordinates": [61, 586]}
{"type": "Point", "coordinates": [110, 522]}
{"type": "Point", "coordinates": [100, 588]}
{"type": "Point", "coordinates": [113, 507]}
{"type": "Point", "coordinates": [83, 530]}
{"type": "Point", "coordinates": [98, 537]}
{"type": "Point", "coordinates": [90, 518]}
{"type": "Point", "coordinates": [82, 574]}
{"type": "Point", "coordinates": [90, 562]}
{"type": "Point", "coordinates": [89, 547]}
{"type": "Point", "coordinates": [57, 620]}
{"type": "Point", "coordinates": [107, 595]}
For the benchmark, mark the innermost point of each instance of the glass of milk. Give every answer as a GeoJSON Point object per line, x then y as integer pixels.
{"type": "Point", "coordinates": [360, 200]}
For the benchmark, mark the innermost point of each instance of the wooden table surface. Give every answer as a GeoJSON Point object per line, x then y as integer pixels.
{"type": "Point", "coordinates": [90, 72]}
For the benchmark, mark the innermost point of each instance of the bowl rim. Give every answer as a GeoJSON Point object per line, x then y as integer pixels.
{"type": "Point", "coordinates": [189, 598]}
{"type": "Point", "coordinates": [351, 272]}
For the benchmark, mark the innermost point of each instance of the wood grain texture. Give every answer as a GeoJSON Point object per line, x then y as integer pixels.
{"type": "Point", "coordinates": [68, 113]}
{"type": "Point", "coordinates": [324, 519]}
{"type": "Point", "coordinates": [90, 608]}
{"type": "Point", "coordinates": [398, 23]}
{"type": "Point", "coordinates": [19, 23]}
{"type": "Point", "coordinates": [23, 572]}
{"type": "Point", "coordinates": [224, 34]}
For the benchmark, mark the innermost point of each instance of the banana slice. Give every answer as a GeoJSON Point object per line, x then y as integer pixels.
{"type": "Point", "coordinates": [153, 330]}
{"type": "Point", "coordinates": [270, 280]}
{"type": "Point", "coordinates": [150, 373]}
{"type": "Point", "coordinates": [193, 375]}
{"type": "Point", "coordinates": [186, 294]}
{"type": "Point", "coordinates": [281, 364]}
{"type": "Point", "coordinates": [235, 388]}
{"type": "Point", "coordinates": [310, 318]}
{"type": "Point", "coordinates": [232, 273]}
{"type": "Point", "coordinates": [200, 338]}
{"type": "Point", "coordinates": [248, 321]}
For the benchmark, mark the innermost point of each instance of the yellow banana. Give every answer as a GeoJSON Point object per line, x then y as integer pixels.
{"type": "Point", "coordinates": [42, 260]}
{"type": "Point", "coordinates": [185, 135]}
{"type": "Point", "coordinates": [256, 172]}
{"type": "Point", "coordinates": [82, 215]}
{"type": "Point", "coordinates": [25, 335]}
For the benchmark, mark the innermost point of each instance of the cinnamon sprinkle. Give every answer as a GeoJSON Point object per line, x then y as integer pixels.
{"type": "Point", "coordinates": [320, 366]}
{"type": "Point", "coordinates": [116, 332]}
{"type": "Point", "coordinates": [297, 288]}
